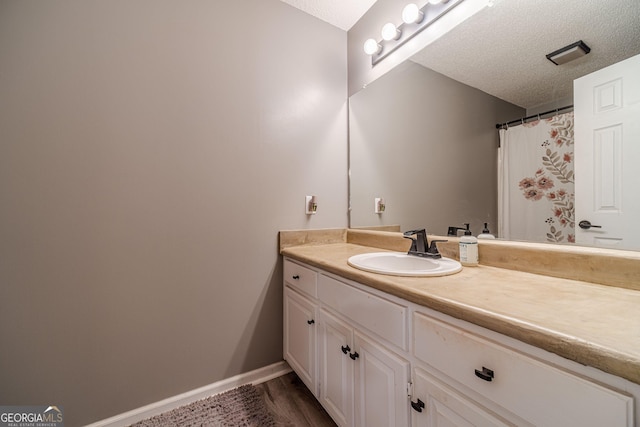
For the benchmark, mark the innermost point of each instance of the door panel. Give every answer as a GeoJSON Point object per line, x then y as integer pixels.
{"type": "Point", "coordinates": [607, 155]}
{"type": "Point", "coordinates": [381, 379]}
{"type": "Point", "coordinates": [336, 370]}
{"type": "Point", "coordinates": [300, 337]}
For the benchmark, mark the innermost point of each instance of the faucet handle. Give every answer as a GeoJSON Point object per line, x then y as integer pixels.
{"type": "Point", "coordinates": [414, 242]}
{"type": "Point", "coordinates": [419, 243]}
{"type": "Point", "coordinates": [433, 248]}
{"type": "Point", "coordinates": [453, 231]}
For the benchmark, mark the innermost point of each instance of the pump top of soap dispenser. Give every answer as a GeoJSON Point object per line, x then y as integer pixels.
{"type": "Point", "coordinates": [467, 231]}
{"type": "Point", "coordinates": [486, 234]}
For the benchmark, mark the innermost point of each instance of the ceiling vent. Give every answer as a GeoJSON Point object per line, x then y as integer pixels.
{"type": "Point", "coordinates": [569, 53]}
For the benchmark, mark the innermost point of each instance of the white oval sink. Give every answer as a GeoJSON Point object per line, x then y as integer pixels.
{"type": "Point", "coordinates": [401, 264]}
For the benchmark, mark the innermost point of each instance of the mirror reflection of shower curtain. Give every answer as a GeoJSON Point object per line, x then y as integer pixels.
{"type": "Point", "coordinates": [536, 181]}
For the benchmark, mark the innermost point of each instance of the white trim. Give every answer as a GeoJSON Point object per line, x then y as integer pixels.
{"type": "Point", "coordinates": [257, 376]}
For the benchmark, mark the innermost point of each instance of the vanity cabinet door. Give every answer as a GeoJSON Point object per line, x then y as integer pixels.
{"type": "Point", "coordinates": [435, 404]}
{"type": "Point", "coordinates": [361, 382]}
{"type": "Point", "coordinates": [300, 337]}
{"type": "Point", "coordinates": [381, 381]}
{"type": "Point", "coordinates": [336, 368]}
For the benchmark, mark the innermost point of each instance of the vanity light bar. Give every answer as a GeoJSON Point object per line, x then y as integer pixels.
{"type": "Point", "coordinates": [417, 19]}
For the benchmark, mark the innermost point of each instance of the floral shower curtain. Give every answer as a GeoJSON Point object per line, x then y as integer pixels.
{"type": "Point", "coordinates": [536, 181]}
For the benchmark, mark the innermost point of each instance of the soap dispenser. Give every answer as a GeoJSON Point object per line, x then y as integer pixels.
{"type": "Point", "coordinates": [468, 249]}
{"type": "Point", "coordinates": [486, 234]}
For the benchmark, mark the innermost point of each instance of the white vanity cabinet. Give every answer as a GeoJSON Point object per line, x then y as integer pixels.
{"type": "Point", "coordinates": [300, 324]}
{"type": "Point", "coordinates": [374, 359]}
{"type": "Point", "coordinates": [343, 343]}
{"type": "Point", "coordinates": [362, 381]}
{"type": "Point", "coordinates": [536, 393]}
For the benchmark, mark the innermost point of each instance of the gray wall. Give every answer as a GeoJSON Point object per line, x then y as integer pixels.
{"type": "Point", "coordinates": [150, 151]}
{"type": "Point", "coordinates": [428, 145]}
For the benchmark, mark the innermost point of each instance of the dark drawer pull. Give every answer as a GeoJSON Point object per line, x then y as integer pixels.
{"type": "Point", "coordinates": [311, 322]}
{"type": "Point", "coordinates": [345, 350]}
{"type": "Point", "coordinates": [417, 406]}
{"type": "Point", "coordinates": [296, 277]}
{"type": "Point", "coordinates": [485, 374]}
{"type": "Point", "coordinates": [354, 355]}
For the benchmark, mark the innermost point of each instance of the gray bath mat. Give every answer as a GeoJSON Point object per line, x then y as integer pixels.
{"type": "Point", "coordinates": [243, 406]}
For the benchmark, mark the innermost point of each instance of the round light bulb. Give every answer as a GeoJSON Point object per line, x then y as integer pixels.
{"type": "Point", "coordinates": [390, 32]}
{"type": "Point", "coordinates": [371, 47]}
{"type": "Point", "coordinates": [412, 14]}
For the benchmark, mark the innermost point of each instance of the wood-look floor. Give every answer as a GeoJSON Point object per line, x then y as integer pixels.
{"type": "Point", "coordinates": [292, 404]}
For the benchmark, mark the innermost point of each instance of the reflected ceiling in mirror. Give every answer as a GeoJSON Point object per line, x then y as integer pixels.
{"type": "Point", "coordinates": [502, 49]}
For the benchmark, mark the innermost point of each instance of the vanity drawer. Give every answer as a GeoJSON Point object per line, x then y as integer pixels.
{"type": "Point", "coordinates": [384, 318]}
{"type": "Point", "coordinates": [539, 393]}
{"type": "Point", "coordinates": [300, 278]}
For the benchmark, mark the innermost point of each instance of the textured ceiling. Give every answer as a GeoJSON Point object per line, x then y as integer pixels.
{"type": "Point", "coordinates": [501, 50]}
{"type": "Point", "coordinates": [340, 13]}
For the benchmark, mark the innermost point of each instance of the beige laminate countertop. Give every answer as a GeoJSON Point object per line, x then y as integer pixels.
{"type": "Point", "coordinates": [595, 325]}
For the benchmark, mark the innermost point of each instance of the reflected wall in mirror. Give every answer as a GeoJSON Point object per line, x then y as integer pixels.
{"type": "Point", "coordinates": [430, 148]}
{"type": "Point", "coordinates": [427, 145]}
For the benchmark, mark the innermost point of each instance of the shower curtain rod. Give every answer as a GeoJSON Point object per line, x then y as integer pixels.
{"type": "Point", "coordinates": [535, 116]}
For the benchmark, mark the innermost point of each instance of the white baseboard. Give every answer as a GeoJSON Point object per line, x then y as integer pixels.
{"type": "Point", "coordinates": [257, 376]}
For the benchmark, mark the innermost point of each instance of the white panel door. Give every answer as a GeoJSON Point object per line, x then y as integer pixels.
{"type": "Point", "coordinates": [336, 368]}
{"type": "Point", "coordinates": [300, 337]}
{"type": "Point", "coordinates": [607, 156]}
{"type": "Point", "coordinates": [381, 381]}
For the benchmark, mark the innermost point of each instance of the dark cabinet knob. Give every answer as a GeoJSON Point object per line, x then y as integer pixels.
{"type": "Point", "coordinates": [354, 355]}
{"type": "Point", "coordinates": [296, 277]}
{"type": "Point", "coordinates": [417, 406]}
{"type": "Point", "coordinates": [485, 374]}
{"type": "Point", "coordinates": [345, 349]}
{"type": "Point", "coordinates": [311, 322]}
